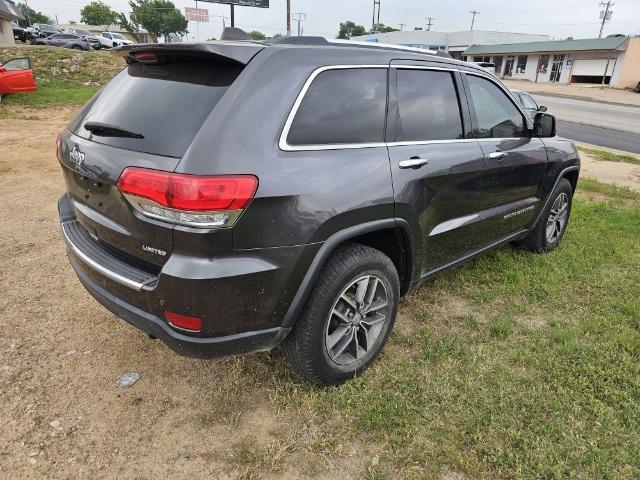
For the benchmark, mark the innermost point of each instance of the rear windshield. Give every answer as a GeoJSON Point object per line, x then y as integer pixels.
{"type": "Point", "coordinates": [165, 103]}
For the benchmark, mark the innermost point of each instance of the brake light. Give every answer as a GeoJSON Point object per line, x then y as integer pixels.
{"type": "Point", "coordinates": [184, 322]}
{"type": "Point", "coordinates": [201, 201]}
{"type": "Point", "coordinates": [146, 57]}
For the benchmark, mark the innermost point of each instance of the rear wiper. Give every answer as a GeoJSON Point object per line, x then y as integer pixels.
{"type": "Point", "coordinates": [107, 130]}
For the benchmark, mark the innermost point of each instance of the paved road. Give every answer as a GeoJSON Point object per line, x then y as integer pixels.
{"type": "Point", "coordinates": [604, 137]}
{"type": "Point", "coordinates": [612, 116]}
{"type": "Point", "coordinates": [603, 124]}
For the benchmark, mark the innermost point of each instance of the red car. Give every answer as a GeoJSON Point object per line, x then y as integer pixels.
{"type": "Point", "coordinates": [16, 76]}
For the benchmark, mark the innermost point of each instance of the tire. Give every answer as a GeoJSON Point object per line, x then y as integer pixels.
{"type": "Point", "coordinates": [334, 320]}
{"type": "Point", "coordinates": [551, 221]}
{"type": "Point", "coordinates": [77, 47]}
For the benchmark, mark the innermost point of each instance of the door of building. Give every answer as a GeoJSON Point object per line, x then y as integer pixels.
{"type": "Point", "coordinates": [556, 68]}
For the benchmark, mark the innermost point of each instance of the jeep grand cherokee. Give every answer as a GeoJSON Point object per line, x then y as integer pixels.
{"type": "Point", "coordinates": [230, 197]}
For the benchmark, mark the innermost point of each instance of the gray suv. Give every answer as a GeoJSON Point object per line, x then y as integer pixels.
{"type": "Point", "coordinates": [230, 197]}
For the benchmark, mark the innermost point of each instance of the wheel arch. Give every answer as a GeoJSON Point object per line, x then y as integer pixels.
{"type": "Point", "coordinates": [392, 236]}
{"type": "Point", "coordinates": [570, 173]}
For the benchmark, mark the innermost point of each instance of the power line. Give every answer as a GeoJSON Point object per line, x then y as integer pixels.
{"type": "Point", "coordinates": [429, 24]}
{"type": "Point", "coordinates": [473, 19]}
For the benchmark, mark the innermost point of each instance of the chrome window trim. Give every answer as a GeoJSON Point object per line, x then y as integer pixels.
{"type": "Point", "coordinates": [284, 145]}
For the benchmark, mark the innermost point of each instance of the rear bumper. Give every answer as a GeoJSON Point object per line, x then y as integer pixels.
{"type": "Point", "coordinates": [200, 347]}
{"type": "Point", "coordinates": [241, 297]}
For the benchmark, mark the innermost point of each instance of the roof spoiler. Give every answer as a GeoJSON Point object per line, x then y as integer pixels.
{"type": "Point", "coordinates": [239, 52]}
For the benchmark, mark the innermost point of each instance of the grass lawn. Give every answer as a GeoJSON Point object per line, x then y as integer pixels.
{"type": "Point", "coordinates": [513, 366]}
{"type": "Point", "coordinates": [599, 154]}
{"type": "Point", "coordinates": [49, 95]}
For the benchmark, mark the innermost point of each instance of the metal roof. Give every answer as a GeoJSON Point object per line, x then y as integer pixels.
{"type": "Point", "coordinates": [551, 46]}
{"type": "Point", "coordinates": [8, 10]}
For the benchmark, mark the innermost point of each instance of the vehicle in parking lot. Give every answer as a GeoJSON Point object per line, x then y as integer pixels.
{"type": "Point", "coordinates": [19, 33]}
{"type": "Point", "coordinates": [87, 35]}
{"type": "Point", "coordinates": [64, 40]}
{"type": "Point", "coordinates": [229, 197]}
{"type": "Point", "coordinates": [113, 39]}
{"type": "Point", "coordinates": [16, 76]}
{"type": "Point", "coordinates": [40, 30]}
{"type": "Point", "coordinates": [529, 104]}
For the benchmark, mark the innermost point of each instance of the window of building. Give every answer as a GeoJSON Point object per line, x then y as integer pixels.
{"type": "Point", "coordinates": [428, 106]}
{"type": "Point", "coordinates": [342, 106]}
{"type": "Point", "coordinates": [486, 58]}
{"type": "Point", "coordinates": [522, 64]}
{"type": "Point", "coordinates": [496, 116]}
{"type": "Point", "coordinates": [543, 64]}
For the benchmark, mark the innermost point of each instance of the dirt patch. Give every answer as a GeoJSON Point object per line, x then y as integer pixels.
{"type": "Point", "coordinates": [617, 173]}
{"type": "Point", "coordinates": [61, 353]}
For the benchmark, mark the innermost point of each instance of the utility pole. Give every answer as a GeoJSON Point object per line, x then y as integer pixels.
{"type": "Point", "coordinates": [28, 17]}
{"type": "Point", "coordinates": [402, 25]}
{"type": "Point", "coordinates": [288, 18]}
{"type": "Point", "coordinates": [605, 14]}
{"type": "Point", "coordinates": [473, 20]}
{"type": "Point", "coordinates": [302, 17]}
{"type": "Point", "coordinates": [233, 15]}
{"type": "Point", "coordinates": [430, 23]}
{"type": "Point", "coordinates": [376, 3]}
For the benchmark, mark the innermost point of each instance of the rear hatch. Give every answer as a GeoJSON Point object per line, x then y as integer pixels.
{"type": "Point", "coordinates": [147, 116]}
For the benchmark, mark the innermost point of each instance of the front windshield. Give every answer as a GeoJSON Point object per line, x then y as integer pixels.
{"type": "Point", "coordinates": [83, 32]}
{"type": "Point", "coordinates": [118, 36]}
{"type": "Point", "coordinates": [47, 28]}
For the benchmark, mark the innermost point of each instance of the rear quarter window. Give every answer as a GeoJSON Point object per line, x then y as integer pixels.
{"type": "Point", "coordinates": [166, 103]}
{"type": "Point", "coordinates": [342, 106]}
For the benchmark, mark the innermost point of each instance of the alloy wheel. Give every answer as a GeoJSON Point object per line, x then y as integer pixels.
{"type": "Point", "coordinates": [557, 217]}
{"type": "Point", "coordinates": [357, 320]}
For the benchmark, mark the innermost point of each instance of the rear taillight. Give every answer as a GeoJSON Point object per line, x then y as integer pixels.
{"type": "Point", "coordinates": [184, 322]}
{"type": "Point", "coordinates": [198, 201]}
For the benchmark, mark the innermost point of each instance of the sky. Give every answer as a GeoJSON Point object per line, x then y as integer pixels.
{"type": "Point", "coordinates": [557, 18]}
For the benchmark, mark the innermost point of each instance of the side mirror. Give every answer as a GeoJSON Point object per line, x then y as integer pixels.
{"type": "Point", "coordinates": [544, 125]}
{"type": "Point", "coordinates": [542, 108]}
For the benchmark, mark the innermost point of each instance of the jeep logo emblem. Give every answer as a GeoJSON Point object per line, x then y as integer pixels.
{"type": "Point", "coordinates": [77, 156]}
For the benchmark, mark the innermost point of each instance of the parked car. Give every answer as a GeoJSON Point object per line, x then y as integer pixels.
{"type": "Point", "coordinates": [40, 30]}
{"type": "Point", "coordinates": [529, 104]}
{"type": "Point", "coordinates": [230, 197]}
{"type": "Point", "coordinates": [487, 66]}
{"type": "Point", "coordinates": [16, 76]}
{"type": "Point", "coordinates": [65, 40]}
{"type": "Point", "coordinates": [112, 39]}
{"type": "Point", "coordinates": [19, 33]}
{"type": "Point", "coordinates": [87, 35]}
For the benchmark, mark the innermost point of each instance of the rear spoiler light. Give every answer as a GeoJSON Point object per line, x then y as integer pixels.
{"type": "Point", "coordinates": [239, 52]}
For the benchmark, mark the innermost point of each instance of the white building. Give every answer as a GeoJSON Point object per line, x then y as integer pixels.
{"type": "Point", "coordinates": [612, 61]}
{"type": "Point", "coordinates": [455, 43]}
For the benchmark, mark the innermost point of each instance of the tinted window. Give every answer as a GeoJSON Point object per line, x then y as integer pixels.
{"type": "Point", "coordinates": [342, 106]}
{"type": "Point", "coordinates": [165, 103]}
{"type": "Point", "coordinates": [428, 106]}
{"type": "Point", "coordinates": [497, 116]}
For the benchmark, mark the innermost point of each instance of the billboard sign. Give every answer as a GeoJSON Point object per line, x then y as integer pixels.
{"type": "Point", "coordinates": [196, 14]}
{"type": "Point", "coordinates": [242, 3]}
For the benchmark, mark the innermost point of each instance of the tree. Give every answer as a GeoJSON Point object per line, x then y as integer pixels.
{"type": "Point", "coordinates": [255, 35]}
{"type": "Point", "coordinates": [382, 28]}
{"type": "Point", "coordinates": [31, 16]}
{"type": "Point", "coordinates": [349, 29]}
{"type": "Point", "coordinates": [158, 17]}
{"type": "Point", "coordinates": [98, 13]}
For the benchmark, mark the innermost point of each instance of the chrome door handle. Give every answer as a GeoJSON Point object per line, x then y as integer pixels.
{"type": "Point", "coordinates": [497, 155]}
{"type": "Point", "coordinates": [413, 163]}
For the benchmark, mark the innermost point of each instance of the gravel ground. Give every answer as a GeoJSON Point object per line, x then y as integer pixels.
{"type": "Point", "coordinates": [63, 416]}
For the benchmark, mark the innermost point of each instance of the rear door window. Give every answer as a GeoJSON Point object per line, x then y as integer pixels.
{"type": "Point", "coordinates": [342, 106]}
{"type": "Point", "coordinates": [428, 106]}
{"type": "Point", "coordinates": [165, 103]}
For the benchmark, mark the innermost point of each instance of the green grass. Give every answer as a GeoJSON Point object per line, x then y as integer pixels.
{"type": "Point", "coordinates": [51, 95]}
{"type": "Point", "coordinates": [63, 76]}
{"type": "Point", "coordinates": [610, 156]}
{"type": "Point", "coordinates": [539, 377]}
